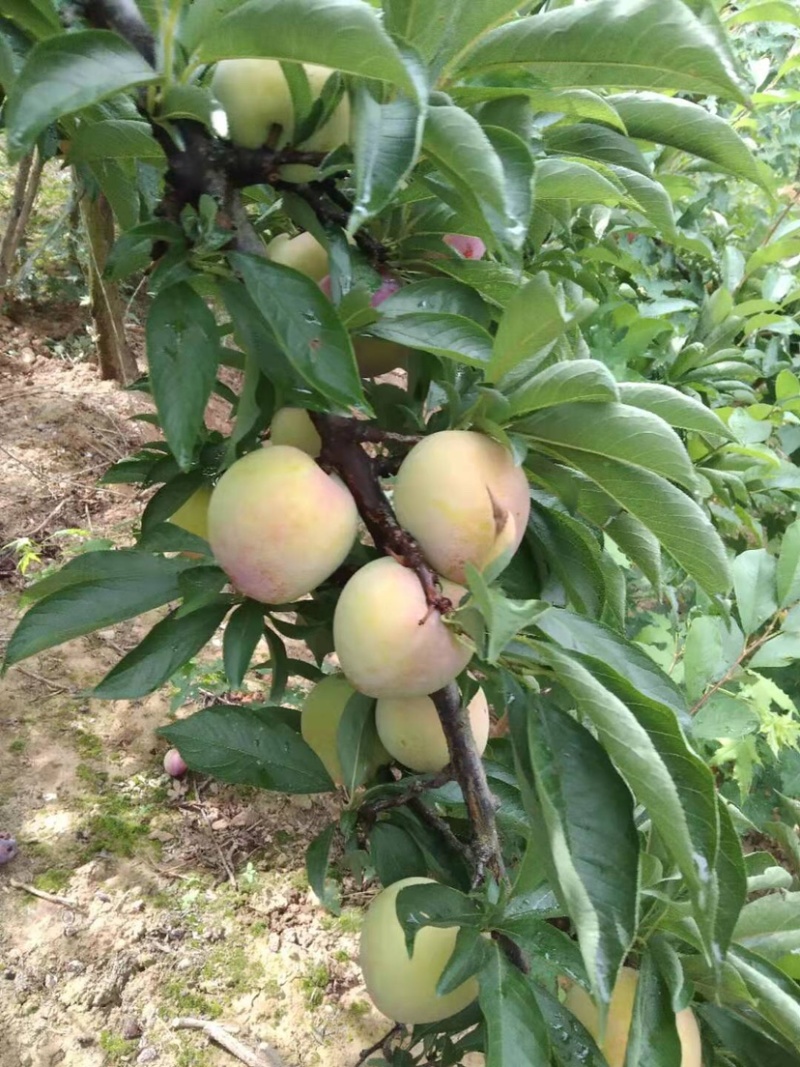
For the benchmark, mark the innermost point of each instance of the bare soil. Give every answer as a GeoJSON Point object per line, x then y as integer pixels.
{"type": "Point", "coordinates": [178, 899]}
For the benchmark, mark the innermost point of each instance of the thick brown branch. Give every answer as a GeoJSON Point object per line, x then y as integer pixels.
{"type": "Point", "coordinates": [469, 772]}
{"type": "Point", "coordinates": [342, 453]}
{"type": "Point", "coordinates": [124, 17]}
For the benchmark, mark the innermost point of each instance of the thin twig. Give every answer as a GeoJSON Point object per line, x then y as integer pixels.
{"type": "Point", "coordinates": [228, 869]}
{"type": "Point", "coordinates": [381, 1045]}
{"type": "Point", "coordinates": [64, 902]}
{"type": "Point", "coordinates": [220, 1036]}
{"type": "Point", "coordinates": [748, 651]}
{"type": "Point", "coordinates": [55, 686]}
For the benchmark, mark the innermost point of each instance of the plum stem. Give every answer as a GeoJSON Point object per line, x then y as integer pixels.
{"type": "Point", "coordinates": [342, 453]}
{"type": "Point", "coordinates": [470, 774]}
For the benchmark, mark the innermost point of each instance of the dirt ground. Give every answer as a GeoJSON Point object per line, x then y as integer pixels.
{"type": "Point", "coordinates": [173, 899]}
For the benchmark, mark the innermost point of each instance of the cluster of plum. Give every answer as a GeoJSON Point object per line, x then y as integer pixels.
{"type": "Point", "coordinates": [279, 526]}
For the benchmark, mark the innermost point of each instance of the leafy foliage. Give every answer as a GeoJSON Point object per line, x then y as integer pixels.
{"type": "Point", "coordinates": [631, 338]}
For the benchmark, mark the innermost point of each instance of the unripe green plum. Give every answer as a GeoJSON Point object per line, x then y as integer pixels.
{"type": "Point", "coordinates": [405, 989]}
{"type": "Point", "coordinates": [256, 97]}
{"type": "Point", "coordinates": [192, 515]}
{"type": "Point", "coordinates": [620, 1014]}
{"type": "Point", "coordinates": [389, 642]}
{"type": "Point", "coordinates": [304, 253]}
{"type": "Point", "coordinates": [293, 426]}
{"type": "Point", "coordinates": [460, 494]}
{"type": "Point", "coordinates": [411, 733]}
{"type": "Point", "coordinates": [319, 723]}
{"type": "Point", "coordinates": [278, 525]}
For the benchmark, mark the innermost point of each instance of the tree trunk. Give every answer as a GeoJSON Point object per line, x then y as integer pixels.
{"type": "Point", "coordinates": [26, 186]}
{"type": "Point", "coordinates": [114, 356]}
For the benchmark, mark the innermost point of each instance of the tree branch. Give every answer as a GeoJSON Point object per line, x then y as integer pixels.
{"type": "Point", "coordinates": [342, 453]}
{"type": "Point", "coordinates": [471, 776]}
{"type": "Point", "coordinates": [124, 18]}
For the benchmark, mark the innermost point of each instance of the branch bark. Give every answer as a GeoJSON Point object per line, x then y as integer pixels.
{"type": "Point", "coordinates": [469, 772]}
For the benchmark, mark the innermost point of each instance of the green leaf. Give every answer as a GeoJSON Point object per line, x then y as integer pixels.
{"type": "Point", "coordinates": [14, 48]}
{"type": "Point", "coordinates": [767, 11]}
{"type": "Point", "coordinates": [436, 294]}
{"type": "Point", "coordinates": [503, 617]}
{"type": "Point", "coordinates": [787, 574]}
{"type": "Point", "coordinates": [663, 773]}
{"type": "Point", "coordinates": [723, 715]}
{"type": "Point", "coordinates": [752, 1048]}
{"type": "Point", "coordinates": [64, 74]}
{"type": "Point", "coordinates": [183, 354]}
{"type": "Point", "coordinates": [344, 34]}
{"type": "Point", "coordinates": [617, 432]}
{"type": "Point", "coordinates": [576, 1047]}
{"type": "Point", "coordinates": [713, 645]}
{"type": "Point", "coordinates": [307, 328]}
{"type": "Point", "coordinates": [644, 44]}
{"type": "Point", "coordinates": [516, 1033]}
{"type": "Point", "coordinates": [395, 854]}
{"type": "Point", "coordinates": [357, 740]}
{"type": "Point", "coordinates": [588, 811]}
{"type": "Point", "coordinates": [754, 574]}
{"type": "Point", "coordinates": [90, 592]}
{"type": "Point", "coordinates": [649, 197]}
{"type": "Point", "coordinates": [688, 127]}
{"type": "Point", "coordinates": [434, 905]}
{"type": "Point", "coordinates": [602, 645]}
{"type": "Point", "coordinates": [680, 525]}
{"type": "Point", "coordinates": [386, 142]}
{"type": "Point", "coordinates": [679, 410]}
{"type": "Point", "coordinates": [37, 17]}
{"type": "Point", "coordinates": [777, 996]}
{"type": "Point", "coordinates": [459, 147]}
{"type": "Point", "coordinates": [445, 28]}
{"type": "Point", "coordinates": [532, 320]}
{"type": "Point", "coordinates": [653, 1036]}
{"type": "Point", "coordinates": [577, 380]}
{"type": "Point", "coordinates": [250, 746]}
{"type": "Point", "coordinates": [731, 879]}
{"type": "Point", "coordinates": [596, 142]}
{"type": "Point", "coordinates": [567, 180]}
{"type": "Point", "coordinates": [318, 856]}
{"type": "Point", "coordinates": [469, 955]}
{"type": "Point", "coordinates": [170, 644]}
{"type": "Point", "coordinates": [572, 554]}
{"type": "Point", "coordinates": [450, 336]}
{"type": "Point", "coordinates": [770, 925]}
{"type": "Point", "coordinates": [243, 631]}
{"type": "Point", "coordinates": [117, 138]}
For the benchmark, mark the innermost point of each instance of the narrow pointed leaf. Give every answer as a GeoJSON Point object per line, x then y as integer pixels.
{"type": "Point", "coordinates": [250, 746]}
{"type": "Point", "coordinates": [344, 34]}
{"type": "Point", "coordinates": [688, 127]}
{"type": "Point", "coordinates": [644, 44]}
{"type": "Point", "coordinates": [583, 380]}
{"type": "Point", "coordinates": [588, 811]}
{"type": "Point", "coordinates": [516, 1033]}
{"type": "Point", "coordinates": [662, 772]}
{"type": "Point", "coordinates": [168, 646]}
{"type": "Point", "coordinates": [617, 432]}
{"type": "Point", "coordinates": [680, 525]}
{"type": "Point", "coordinates": [91, 592]}
{"type": "Point", "coordinates": [674, 407]}
{"type": "Point", "coordinates": [65, 73]}
{"type": "Point", "coordinates": [307, 328]}
{"type": "Point", "coordinates": [183, 355]}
